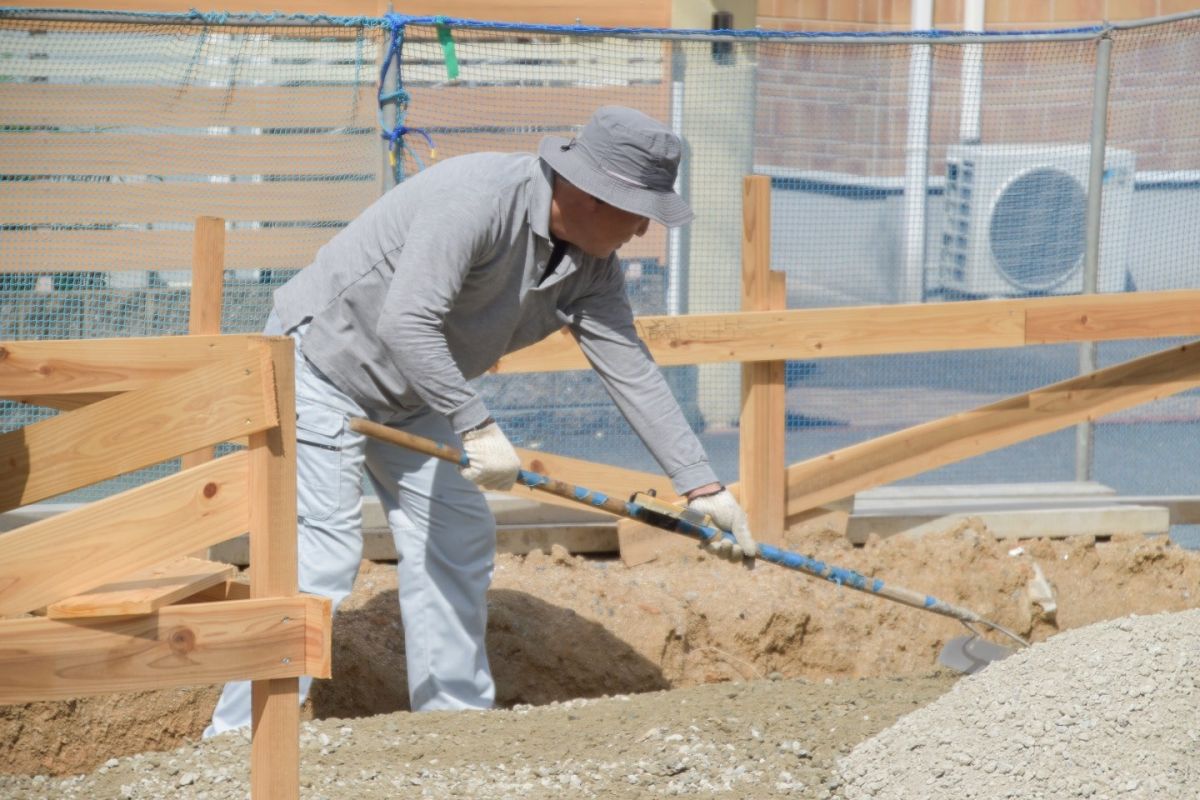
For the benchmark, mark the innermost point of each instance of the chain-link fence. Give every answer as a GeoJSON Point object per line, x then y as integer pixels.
{"type": "Point", "coordinates": [930, 167]}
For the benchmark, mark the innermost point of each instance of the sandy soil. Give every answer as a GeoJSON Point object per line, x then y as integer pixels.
{"type": "Point", "coordinates": [846, 664]}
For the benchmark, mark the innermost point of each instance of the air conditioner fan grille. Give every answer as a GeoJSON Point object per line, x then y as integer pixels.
{"type": "Point", "coordinates": [1038, 228]}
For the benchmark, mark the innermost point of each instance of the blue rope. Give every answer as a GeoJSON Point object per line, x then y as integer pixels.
{"type": "Point", "coordinates": [390, 20]}
{"type": "Point", "coordinates": [222, 18]}
{"type": "Point", "coordinates": [397, 146]}
{"type": "Point", "coordinates": [210, 17]}
{"type": "Point", "coordinates": [754, 34]}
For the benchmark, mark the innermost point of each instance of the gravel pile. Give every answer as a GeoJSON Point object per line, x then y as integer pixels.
{"type": "Point", "coordinates": [766, 739]}
{"type": "Point", "coordinates": [1103, 712]}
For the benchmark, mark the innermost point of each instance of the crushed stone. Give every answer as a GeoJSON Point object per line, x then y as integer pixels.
{"type": "Point", "coordinates": [1102, 712]}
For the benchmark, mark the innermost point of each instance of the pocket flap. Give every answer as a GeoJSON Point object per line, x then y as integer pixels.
{"type": "Point", "coordinates": [321, 420]}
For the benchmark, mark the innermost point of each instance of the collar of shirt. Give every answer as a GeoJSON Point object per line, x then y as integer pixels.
{"type": "Point", "coordinates": [541, 189]}
{"type": "Point", "coordinates": [560, 260]}
{"type": "Point", "coordinates": [556, 255]}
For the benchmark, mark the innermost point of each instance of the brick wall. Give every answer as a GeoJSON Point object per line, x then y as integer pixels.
{"type": "Point", "coordinates": [874, 15]}
{"type": "Point", "coordinates": [843, 108]}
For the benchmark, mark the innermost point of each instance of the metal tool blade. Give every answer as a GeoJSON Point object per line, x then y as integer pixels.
{"type": "Point", "coordinates": [969, 654]}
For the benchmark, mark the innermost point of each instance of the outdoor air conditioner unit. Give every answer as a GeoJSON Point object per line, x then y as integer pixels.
{"type": "Point", "coordinates": [1016, 219]}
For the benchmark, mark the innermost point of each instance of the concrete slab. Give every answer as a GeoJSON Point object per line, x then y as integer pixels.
{"type": "Point", "coordinates": [1023, 523]}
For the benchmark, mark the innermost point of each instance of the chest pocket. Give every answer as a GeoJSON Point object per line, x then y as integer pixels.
{"type": "Point", "coordinates": [320, 436]}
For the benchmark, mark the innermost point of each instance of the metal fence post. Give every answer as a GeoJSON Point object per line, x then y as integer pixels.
{"type": "Point", "coordinates": [1085, 431]}
{"type": "Point", "coordinates": [390, 115]}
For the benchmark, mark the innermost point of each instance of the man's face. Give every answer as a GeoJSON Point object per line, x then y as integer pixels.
{"type": "Point", "coordinates": [606, 228]}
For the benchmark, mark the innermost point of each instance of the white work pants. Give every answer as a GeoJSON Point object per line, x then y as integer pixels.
{"type": "Point", "coordinates": [444, 533]}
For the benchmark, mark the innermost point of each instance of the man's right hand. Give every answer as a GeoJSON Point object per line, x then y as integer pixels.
{"type": "Point", "coordinates": [493, 463]}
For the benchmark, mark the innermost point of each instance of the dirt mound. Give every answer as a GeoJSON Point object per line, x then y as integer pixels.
{"type": "Point", "coordinates": [564, 627]}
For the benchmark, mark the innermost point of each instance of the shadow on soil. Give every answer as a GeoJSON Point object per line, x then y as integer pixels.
{"type": "Point", "coordinates": [540, 653]}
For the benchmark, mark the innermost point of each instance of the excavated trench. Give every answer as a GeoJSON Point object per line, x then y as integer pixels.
{"type": "Point", "coordinates": [563, 627]}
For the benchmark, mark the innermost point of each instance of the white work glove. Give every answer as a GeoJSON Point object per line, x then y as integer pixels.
{"type": "Point", "coordinates": [727, 515]}
{"type": "Point", "coordinates": [493, 461]}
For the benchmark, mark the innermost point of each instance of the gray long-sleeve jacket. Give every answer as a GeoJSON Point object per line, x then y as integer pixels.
{"type": "Point", "coordinates": [438, 279]}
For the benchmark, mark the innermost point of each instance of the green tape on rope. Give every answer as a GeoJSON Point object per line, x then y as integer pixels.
{"type": "Point", "coordinates": [447, 42]}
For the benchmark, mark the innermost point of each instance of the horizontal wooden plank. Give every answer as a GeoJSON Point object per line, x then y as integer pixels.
{"type": "Point", "coordinates": [527, 107]}
{"type": "Point", "coordinates": [48, 250]}
{"type": "Point", "coordinates": [349, 8]}
{"type": "Point", "coordinates": [102, 153]}
{"type": "Point", "coordinates": [102, 44]}
{"type": "Point", "coordinates": [144, 591]}
{"type": "Point", "coordinates": [575, 538]}
{"type": "Point", "coordinates": [618, 13]}
{"type": "Point", "coordinates": [107, 366]}
{"type": "Point", "coordinates": [945, 441]}
{"type": "Point", "coordinates": [147, 426]}
{"type": "Point", "coordinates": [811, 333]}
{"type": "Point", "coordinates": [457, 144]}
{"type": "Point", "coordinates": [78, 550]}
{"type": "Point", "coordinates": [555, 73]}
{"type": "Point", "coordinates": [181, 71]}
{"type": "Point", "coordinates": [107, 46]}
{"type": "Point", "coordinates": [65, 402]}
{"type": "Point", "coordinates": [200, 643]}
{"type": "Point", "coordinates": [602, 478]}
{"type": "Point", "coordinates": [229, 590]}
{"type": "Point", "coordinates": [873, 330]}
{"type": "Point", "coordinates": [87, 203]}
{"type": "Point", "coordinates": [1114, 316]}
{"type": "Point", "coordinates": [187, 106]}
{"type": "Point", "coordinates": [541, 48]}
{"type": "Point", "coordinates": [379, 544]}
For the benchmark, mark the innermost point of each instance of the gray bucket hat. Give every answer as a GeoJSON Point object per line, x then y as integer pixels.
{"type": "Point", "coordinates": [626, 159]}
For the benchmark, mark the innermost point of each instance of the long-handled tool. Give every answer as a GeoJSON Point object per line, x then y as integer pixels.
{"type": "Point", "coordinates": [967, 654]}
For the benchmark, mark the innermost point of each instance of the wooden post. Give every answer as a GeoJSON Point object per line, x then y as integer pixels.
{"type": "Point", "coordinates": [208, 283]}
{"type": "Point", "coordinates": [204, 313]}
{"type": "Point", "coordinates": [208, 275]}
{"type": "Point", "coordinates": [761, 455]}
{"type": "Point", "coordinates": [275, 744]}
{"type": "Point", "coordinates": [776, 420]}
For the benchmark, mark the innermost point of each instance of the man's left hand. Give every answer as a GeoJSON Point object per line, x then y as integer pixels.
{"type": "Point", "coordinates": [728, 516]}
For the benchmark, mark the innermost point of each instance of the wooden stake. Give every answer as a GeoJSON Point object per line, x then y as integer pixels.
{"type": "Point", "coordinates": [208, 276]}
{"type": "Point", "coordinates": [275, 743]}
{"type": "Point", "coordinates": [760, 457]}
{"type": "Point", "coordinates": [204, 314]}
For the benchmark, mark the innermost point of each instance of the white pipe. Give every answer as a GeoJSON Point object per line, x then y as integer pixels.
{"type": "Point", "coordinates": [972, 75]}
{"type": "Point", "coordinates": [675, 235]}
{"type": "Point", "coordinates": [916, 161]}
